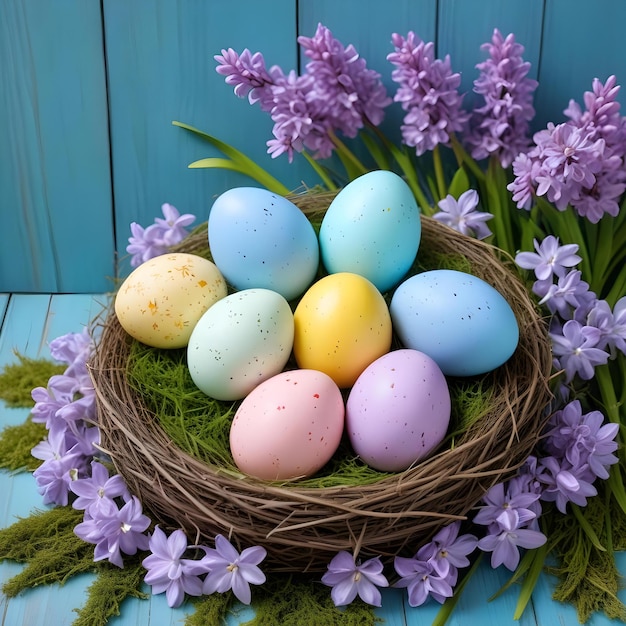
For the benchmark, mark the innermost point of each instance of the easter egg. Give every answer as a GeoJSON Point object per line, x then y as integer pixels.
{"type": "Point", "coordinates": [259, 239]}
{"type": "Point", "coordinates": [398, 410]}
{"type": "Point", "coordinates": [288, 427]}
{"type": "Point", "coordinates": [245, 340]}
{"type": "Point", "coordinates": [372, 228]}
{"type": "Point", "coordinates": [341, 325]}
{"type": "Point", "coordinates": [459, 320]}
{"type": "Point", "coordinates": [161, 300]}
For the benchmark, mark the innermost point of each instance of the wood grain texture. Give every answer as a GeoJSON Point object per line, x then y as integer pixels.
{"type": "Point", "coordinates": [161, 68]}
{"type": "Point", "coordinates": [581, 41]}
{"type": "Point", "coordinates": [55, 204]}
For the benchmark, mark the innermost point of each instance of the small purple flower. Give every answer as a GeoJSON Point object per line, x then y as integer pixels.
{"type": "Point", "coordinates": [582, 439]}
{"type": "Point", "coordinates": [611, 324]}
{"type": "Point", "coordinates": [506, 536]}
{"type": "Point", "coordinates": [550, 258]}
{"type": "Point", "coordinates": [170, 573]}
{"type": "Point", "coordinates": [349, 579]}
{"type": "Point", "coordinates": [428, 92]}
{"type": "Point", "coordinates": [501, 125]}
{"type": "Point", "coordinates": [447, 551]}
{"type": "Point", "coordinates": [566, 295]}
{"type": "Point", "coordinates": [246, 72]}
{"type": "Point", "coordinates": [75, 349]}
{"type": "Point", "coordinates": [55, 475]}
{"type": "Point", "coordinates": [461, 215]}
{"type": "Point", "coordinates": [565, 483]}
{"type": "Point", "coordinates": [507, 497]}
{"type": "Point", "coordinates": [93, 491]}
{"type": "Point", "coordinates": [227, 569]}
{"type": "Point", "coordinates": [147, 243]}
{"type": "Point", "coordinates": [421, 581]}
{"type": "Point", "coordinates": [115, 531]}
{"type": "Point", "coordinates": [576, 350]}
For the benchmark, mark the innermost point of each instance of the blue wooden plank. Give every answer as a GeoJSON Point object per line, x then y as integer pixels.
{"type": "Point", "coordinates": [579, 43]}
{"type": "Point", "coordinates": [161, 68]}
{"type": "Point", "coordinates": [464, 25]}
{"type": "Point", "coordinates": [55, 175]}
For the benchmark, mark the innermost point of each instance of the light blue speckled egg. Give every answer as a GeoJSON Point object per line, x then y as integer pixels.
{"type": "Point", "coordinates": [372, 228]}
{"type": "Point", "coordinates": [463, 323]}
{"type": "Point", "coordinates": [260, 239]}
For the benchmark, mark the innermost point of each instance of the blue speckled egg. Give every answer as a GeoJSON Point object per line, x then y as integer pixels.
{"type": "Point", "coordinates": [463, 323]}
{"type": "Point", "coordinates": [260, 239]}
{"type": "Point", "coordinates": [372, 228]}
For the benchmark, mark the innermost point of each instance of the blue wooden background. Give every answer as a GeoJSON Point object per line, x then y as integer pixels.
{"type": "Point", "coordinates": [89, 88]}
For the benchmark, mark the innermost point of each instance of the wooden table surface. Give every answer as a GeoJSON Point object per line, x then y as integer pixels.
{"type": "Point", "coordinates": [27, 323]}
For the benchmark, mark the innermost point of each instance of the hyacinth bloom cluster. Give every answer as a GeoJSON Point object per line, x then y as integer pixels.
{"type": "Point", "coordinates": [433, 571]}
{"type": "Point", "coordinates": [584, 330]}
{"type": "Point", "coordinates": [154, 240]}
{"type": "Point", "coordinates": [501, 126]}
{"type": "Point", "coordinates": [67, 408]}
{"type": "Point", "coordinates": [336, 93]}
{"type": "Point", "coordinates": [428, 92]}
{"type": "Point", "coordinates": [221, 569]}
{"type": "Point", "coordinates": [580, 162]}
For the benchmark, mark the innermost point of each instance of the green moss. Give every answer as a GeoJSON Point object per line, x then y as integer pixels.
{"type": "Point", "coordinates": [588, 578]}
{"type": "Point", "coordinates": [106, 594]}
{"type": "Point", "coordinates": [16, 443]}
{"type": "Point", "coordinates": [285, 601]}
{"type": "Point", "coordinates": [17, 380]}
{"type": "Point", "coordinates": [46, 542]}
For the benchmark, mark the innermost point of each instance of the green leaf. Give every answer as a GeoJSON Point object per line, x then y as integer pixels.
{"type": "Point", "coordinates": [448, 606]}
{"type": "Point", "coordinates": [459, 184]}
{"type": "Point", "coordinates": [376, 151]}
{"type": "Point", "coordinates": [244, 163]}
{"type": "Point", "coordinates": [587, 528]}
{"type": "Point", "coordinates": [320, 171]}
{"type": "Point", "coordinates": [530, 581]}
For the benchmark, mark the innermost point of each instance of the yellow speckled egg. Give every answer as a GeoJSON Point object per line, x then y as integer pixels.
{"type": "Point", "coordinates": [162, 299]}
{"type": "Point", "coordinates": [341, 325]}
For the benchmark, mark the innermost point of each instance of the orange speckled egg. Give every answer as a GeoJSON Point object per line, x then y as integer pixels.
{"type": "Point", "coordinates": [161, 300]}
{"type": "Point", "coordinates": [342, 324]}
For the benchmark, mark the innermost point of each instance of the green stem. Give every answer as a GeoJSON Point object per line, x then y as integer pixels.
{"type": "Point", "coordinates": [354, 167]}
{"type": "Point", "coordinates": [464, 158]}
{"type": "Point", "coordinates": [320, 171]}
{"type": "Point", "coordinates": [439, 176]}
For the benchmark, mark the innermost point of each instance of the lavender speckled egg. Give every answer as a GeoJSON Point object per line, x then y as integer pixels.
{"type": "Point", "coordinates": [398, 411]}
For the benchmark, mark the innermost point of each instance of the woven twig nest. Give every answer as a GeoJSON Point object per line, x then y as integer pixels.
{"type": "Point", "coordinates": [303, 528]}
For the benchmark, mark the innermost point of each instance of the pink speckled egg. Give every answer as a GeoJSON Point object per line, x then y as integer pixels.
{"type": "Point", "coordinates": [398, 411]}
{"type": "Point", "coordinates": [289, 426]}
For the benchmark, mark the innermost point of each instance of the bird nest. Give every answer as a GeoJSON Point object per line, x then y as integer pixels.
{"type": "Point", "coordinates": [303, 527]}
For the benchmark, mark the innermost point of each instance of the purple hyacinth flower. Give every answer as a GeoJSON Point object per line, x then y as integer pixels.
{"type": "Point", "coordinates": [93, 491]}
{"type": "Point", "coordinates": [565, 483]}
{"type": "Point", "coordinates": [227, 569]}
{"type": "Point", "coordinates": [506, 537]}
{"type": "Point", "coordinates": [506, 497]}
{"type": "Point", "coordinates": [583, 439]}
{"type": "Point", "coordinates": [421, 581]}
{"type": "Point", "coordinates": [115, 531]}
{"type": "Point", "coordinates": [501, 126]}
{"type": "Point", "coordinates": [576, 350]}
{"type": "Point", "coordinates": [550, 258]}
{"type": "Point", "coordinates": [611, 324]}
{"type": "Point", "coordinates": [447, 551]}
{"type": "Point", "coordinates": [349, 579]}
{"type": "Point", "coordinates": [170, 573]}
{"type": "Point", "coordinates": [55, 475]}
{"type": "Point", "coordinates": [73, 348]}
{"type": "Point", "coordinates": [147, 243]}
{"type": "Point", "coordinates": [566, 295]}
{"type": "Point", "coordinates": [461, 215]}
{"type": "Point", "coordinates": [428, 92]}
